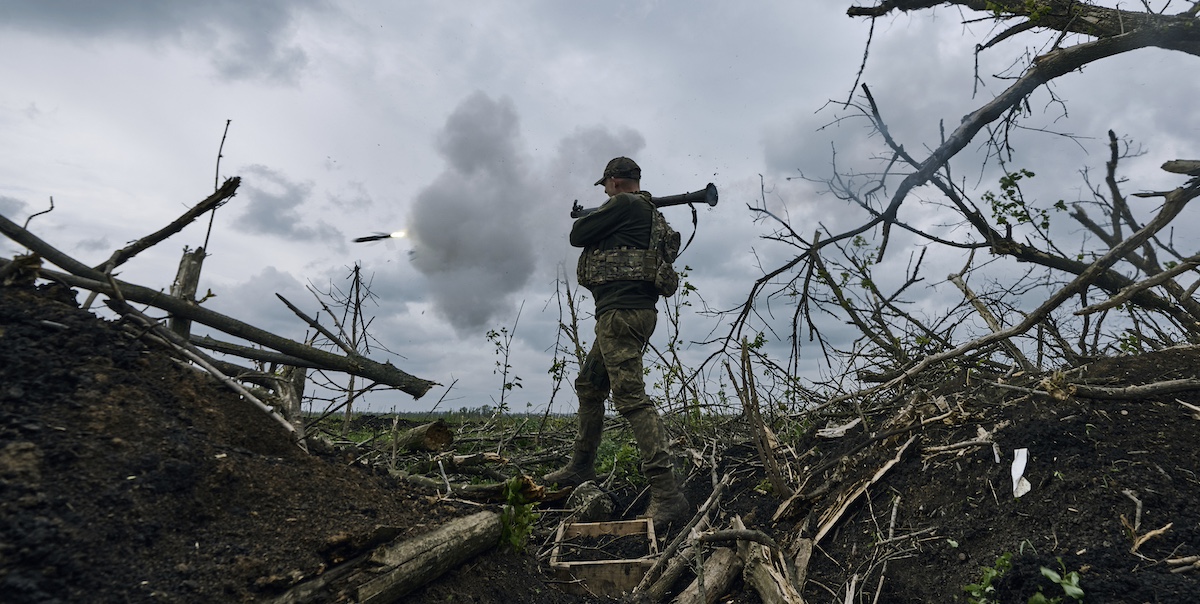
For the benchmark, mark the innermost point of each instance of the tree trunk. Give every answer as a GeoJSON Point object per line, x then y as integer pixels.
{"type": "Point", "coordinates": [433, 436]}
{"type": "Point", "coordinates": [187, 281]}
{"type": "Point", "coordinates": [416, 562]}
{"type": "Point", "coordinates": [719, 572]}
{"type": "Point", "coordinates": [86, 277]}
{"type": "Point", "coordinates": [771, 584]}
{"type": "Point", "coordinates": [675, 567]}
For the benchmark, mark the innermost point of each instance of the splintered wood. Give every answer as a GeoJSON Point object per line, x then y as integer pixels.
{"type": "Point", "coordinates": [834, 513]}
{"type": "Point", "coordinates": [762, 572]}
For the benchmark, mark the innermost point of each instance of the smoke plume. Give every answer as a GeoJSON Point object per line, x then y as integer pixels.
{"type": "Point", "coordinates": [467, 227]}
{"type": "Point", "coordinates": [482, 229]}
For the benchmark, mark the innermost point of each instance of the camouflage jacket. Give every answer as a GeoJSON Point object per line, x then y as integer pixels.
{"type": "Point", "coordinates": [616, 262]}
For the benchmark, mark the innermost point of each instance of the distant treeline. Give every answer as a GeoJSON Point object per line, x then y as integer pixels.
{"type": "Point", "coordinates": [424, 416]}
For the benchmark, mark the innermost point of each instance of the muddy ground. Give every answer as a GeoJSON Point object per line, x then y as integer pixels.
{"type": "Point", "coordinates": [125, 477]}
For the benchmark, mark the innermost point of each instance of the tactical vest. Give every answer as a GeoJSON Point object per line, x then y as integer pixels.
{"type": "Point", "coordinates": [653, 264]}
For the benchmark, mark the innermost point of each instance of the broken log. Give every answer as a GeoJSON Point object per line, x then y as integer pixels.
{"type": "Point", "coordinates": [384, 373]}
{"type": "Point", "coordinates": [772, 584]}
{"type": "Point", "coordinates": [675, 567]}
{"type": "Point", "coordinates": [490, 493]}
{"type": "Point", "coordinates": [187, 281]}
{"type": "Point", "coordinates": [449, 462]}
{"type": "Point", "coordinates": [81, 275]}
{"type": "Point", "coordinates": [715, 579]}
{"type": "Point", "coordinates": [433, 436]}
{"type": "Point", "coordinates": [212, 202]}
{"type": "Point", "coordinates": [415, 562]}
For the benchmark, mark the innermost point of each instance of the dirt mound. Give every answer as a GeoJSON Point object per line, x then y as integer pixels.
{"type": "Point", "coordinates": [127, 477]}
{"type": "Point", "coordinates": [1105, 475]}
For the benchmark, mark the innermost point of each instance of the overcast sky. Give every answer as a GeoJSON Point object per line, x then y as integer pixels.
{"type": "Point", "coordinates": [473, 126]}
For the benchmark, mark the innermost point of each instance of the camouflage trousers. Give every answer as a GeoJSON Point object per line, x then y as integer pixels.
{"type": "Point", "coordinates": [614, 364]}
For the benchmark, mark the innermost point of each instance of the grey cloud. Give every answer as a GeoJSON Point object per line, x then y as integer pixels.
{"type": "Point", "coordinates": [356, 197]}
{"type": "Point", "coordinates": [10, 207]}
{"type": "Point", "coordinates": [95, 244]}
{"type": "Point", "coordinates": [254, 301]}
{"type": "Point", "coordinates": [583, 154]}
{"type": "Point", "coordinates": [480, 138]}
{"type": "Point", "coordinates": [246, 40]}
{"type": "Point", "coordinates": [273, 206]}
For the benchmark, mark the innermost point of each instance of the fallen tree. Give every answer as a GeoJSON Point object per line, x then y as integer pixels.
{"type": "Point", "coordinates": [82, 276]}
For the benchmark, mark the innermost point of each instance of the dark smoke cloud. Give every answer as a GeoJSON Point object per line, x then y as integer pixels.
{"type": "Point", "coordinates": [493, 219]}
{"type": "Point", "coordinates": [468, 228]}
{"type": "Point", "coordinates": [245, 40]}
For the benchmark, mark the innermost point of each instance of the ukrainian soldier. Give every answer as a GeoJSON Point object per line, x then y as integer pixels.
{"type": "Point", "coordinates": [618, 266]}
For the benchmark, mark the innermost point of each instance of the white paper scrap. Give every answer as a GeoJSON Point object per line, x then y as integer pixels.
{"type": "Point", "coordinates": [1020, 485]}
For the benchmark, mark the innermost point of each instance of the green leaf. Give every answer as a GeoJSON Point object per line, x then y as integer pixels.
{"type": "Point", "coordinates": [1051, 574]}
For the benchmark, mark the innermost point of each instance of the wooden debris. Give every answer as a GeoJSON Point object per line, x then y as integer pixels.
{"type": "Point", "coordinates": [772, 584]}
{"type": "Point", "coordinates": [1190, 167]}
{"type": "Point", "coordinates": [1194, 409]}
{"type": "Point", "coordinates": [83, 276]}
{"type": "Point", "coordinates": [832, 515]}
{"type": "Point", "coordinates": [218, 198]}
{"type": "Point", "coordinates": [1139, 391]}
{"type": "Point", "coordinates": [986, 314]}
{"type": "Point", "coordinates": [415, 562]}
{"type": "Point", "coordinates": [433, 436]}
{"type": "Point", "coordinates": [838, 431]}
{"type": "Point", "coordinates": [1148, 536]}
{"type": "Point", "coordinates": [677, 564]}
{"type": "Point", "coordinates": [802, 553]}
{"type": "Point", "coordinates": [983, 438]}
{"type": "Point", "coordinates": [490, 493]}
{"type": "Point", "coordinates": [715, 578]}
{"type": "Point", "coordinates": [764, 439]}
{"type": "Point", "coordinates": [653, 573]}
{"type": "Point", "coordinates": [187, 281]}
{"type": "Point", "coordinates": [23, 270]}
{"type": "Point", "coordinates": [1184, 565]}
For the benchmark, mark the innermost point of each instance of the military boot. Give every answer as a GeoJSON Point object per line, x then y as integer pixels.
{"type": "Point", "coordinates": [667, 504]}
{"type": "Point", "coordinates": [582, 466]}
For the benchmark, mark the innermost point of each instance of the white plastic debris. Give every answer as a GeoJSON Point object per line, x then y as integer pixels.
{"type": "Point", "coordinates": [1020, 485]}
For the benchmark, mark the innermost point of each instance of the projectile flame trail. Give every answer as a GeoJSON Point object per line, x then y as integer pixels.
{"type": "Point", "coordinates": [377, 236]}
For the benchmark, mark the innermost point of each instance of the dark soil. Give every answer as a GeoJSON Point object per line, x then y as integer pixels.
{"type": "Point", "coordinates": [605, 547]}
{"type": "Point", "coordinates": [126, 477]}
